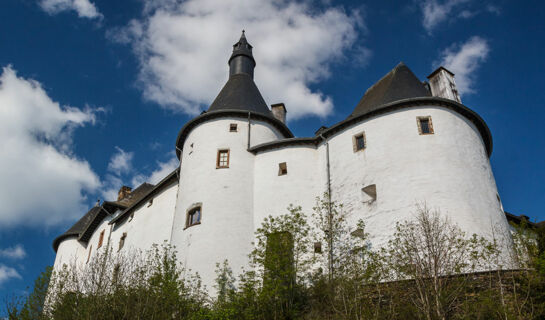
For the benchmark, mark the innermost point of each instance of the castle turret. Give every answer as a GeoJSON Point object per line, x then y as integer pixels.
{"type": "Point", "coordinates": [214, 218]}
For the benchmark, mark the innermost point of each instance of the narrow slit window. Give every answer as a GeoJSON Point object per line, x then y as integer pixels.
{"type": "Point", "coordinates": [89, 254]}
{"type": "Point", "coordinates": [233, 127]}
{"type": "Point", "coordinates": [359, 142]}
{"type": "Point", "coordinates": [100, 239]}
{"type": "Point", "coordinates": [424, 125]}
{"type": "Point", "coordinates": [193, 217]}
{"type": "Point", "coordinates": [122, 241]}
{"type": "Point", "coordinates": [150, 202]}
{"type": "Point", "coordinates": [369, 193]}
{"type": "Point", "coordinates": [282, 169]}
{"type": "Point", "coordinates": [223, 159]}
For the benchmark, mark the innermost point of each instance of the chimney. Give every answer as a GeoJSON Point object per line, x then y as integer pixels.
{"type": "Point", "coordinates": [279, 111]}
{"type": "Point", "coordinates": [123, 193]}
{"type": "Point", "coordinates": [442, 84]}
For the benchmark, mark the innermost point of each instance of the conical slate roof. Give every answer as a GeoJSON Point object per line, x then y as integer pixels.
{"type": "Point", "coordinates": [398, 84]}
{"type": "Point", "coordinates": [240, 93]}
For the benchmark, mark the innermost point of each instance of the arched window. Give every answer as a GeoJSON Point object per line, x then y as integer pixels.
{"type": "Point", "coordinates": [193, 216]}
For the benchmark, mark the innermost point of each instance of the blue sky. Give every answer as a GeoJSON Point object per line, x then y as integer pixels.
{"type": "Point", "coordinates": [93, 93]}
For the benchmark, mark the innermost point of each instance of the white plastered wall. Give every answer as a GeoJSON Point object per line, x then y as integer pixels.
{"type": "Point", "coordinates": [448, 170]}
{"type": "Point", "coordinates": [226, 195]}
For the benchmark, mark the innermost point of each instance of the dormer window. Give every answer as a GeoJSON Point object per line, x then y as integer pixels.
{"type": "Point", "coordinates": [424, 125]}
{"type": "Point", "coordinates": [358, 142]}
{"type": "Point", "coordinates": [233, 127]}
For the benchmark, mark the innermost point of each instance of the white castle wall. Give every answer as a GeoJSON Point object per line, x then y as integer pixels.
{"type": "Point", "coordinates": [449, 170]}
{"type": "Point", "coordinates": [306, 179]}
{"type": "Point", "coordinates": [226, 194]}
{"type": "Point", "coordinates": [151, 224]}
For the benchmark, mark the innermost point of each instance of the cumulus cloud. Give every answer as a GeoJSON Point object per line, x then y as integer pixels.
{"type": "Point", "coordinates": [17, 252]}
{"type": "Point", "coordinates": [121, 161]}
{"type": "Point", "coordinates": [435, 11]}
{"type": "Point", "coordinates": [84, 8]}
{"type": "Point", "coordinates": [43, 182]}
{"type": "Point", "coordinates": [183, 48]}
{"type": "Point", "coordinates": [7, 273]}
{"type": "Point", "coordinates": [163, 169]}
{"type": "Point", "coordinates": [463, 60]}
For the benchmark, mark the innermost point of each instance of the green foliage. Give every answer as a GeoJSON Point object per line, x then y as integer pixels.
{"type": "Point", "coordinates": [429, 270]}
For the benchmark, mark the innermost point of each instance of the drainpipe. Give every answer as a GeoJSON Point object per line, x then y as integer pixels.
{"type": "Point", "coordinates": [249, 130]}
{"type": "Point", "coordinates": [330, 214]}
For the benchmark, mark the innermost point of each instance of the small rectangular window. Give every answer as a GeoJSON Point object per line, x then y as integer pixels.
{"type": "Point", "coordinates": [424, 125]}
{"type": "Point", "coordinates": [100, 239]}
{"type": "Point", "coordinates": [282, 169]}
{"type": "Point", "coordinates": [193, 217]}
{"type": "Point", "coordinates": [359, 142]}
{"type": "Point", "coordinates": [122, 241]}
{"type": "Point", "coordinates": [223, 159]}
{"type": "Point", "coordinates": [233, 127]}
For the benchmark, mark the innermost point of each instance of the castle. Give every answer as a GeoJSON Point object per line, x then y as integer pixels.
{"type": "Point", "coordinates": [406, 141]}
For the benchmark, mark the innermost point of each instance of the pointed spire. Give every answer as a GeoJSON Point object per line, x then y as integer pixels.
{"type": "Point", "coordinates": [242, 60]}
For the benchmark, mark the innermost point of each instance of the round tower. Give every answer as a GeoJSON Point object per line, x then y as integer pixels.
{"type": "Point", "coordinates": [214, 210]}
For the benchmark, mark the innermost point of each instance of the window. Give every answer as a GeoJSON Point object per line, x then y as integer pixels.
{"type": "Point", "coordinates": [317, 247]}
{"type": "Point", "coordinates": [89, 254]}
{"type": "Point", "coordinates": [223, 159]}
{"type": "Point", "coordinates": [424, 125]}
{"type": "Point", "coordinates": [359, 142]}
{"type": "Point", "coordinates": [122, 241]}
{"type": "Point", "coordinates": [100, 239]}
{"type": "Point", "coordinates": [233, 127]}
{"type": "Point", "coordinates": [282, 169]}
{"type": "Point", "coordinates": [150, 202]}
{"type": "Point", "coordinates": [193, 217]}
{"type": "Point", "coordinates": [131, 216]}
{"type": "Point", "coordinates": [369, 193]}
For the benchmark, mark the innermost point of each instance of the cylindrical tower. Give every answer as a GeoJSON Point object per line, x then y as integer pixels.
{"type": "Point", "coordinates": [214, 218]}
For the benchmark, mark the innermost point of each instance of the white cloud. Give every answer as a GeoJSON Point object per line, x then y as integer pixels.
{"type": "Point", "coordinates": [7, 273]}
{"type": "Point", "coordinates": [183, 48]}
{"type": "Point", "coordinates": [435, 12]}
{"type": "Point", "coordinates": [84, 8]}
{"type": "Point", "coordinates": [164, 168]}
{"type": "Point", "coordinates": [43, 182]}
{"type": "Point", "coordinates": [120, 162]}
{"type": "Point", "coordinates": [464, 60]}
{"type": "Point", "coordinates": [17, 252]}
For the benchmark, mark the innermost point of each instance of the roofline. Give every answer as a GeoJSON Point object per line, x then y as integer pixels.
{"type": "Point", "coordinates": [57, 241]}
{"type": "Point", "coordinates": [520, 218]}
{"type": "Point", "coordinates": [392, 106]}
{"type": "Point", "coordinates": [184, 132]}
{"type": "Point", "coordinates": [156, 188]}
{"type": "Point", "coordinates": [439, 69]}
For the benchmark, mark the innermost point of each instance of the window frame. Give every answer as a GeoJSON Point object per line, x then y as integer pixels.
{"type": "Point", "coordinates": [283, 170]}
{"type": "Point", "coordinates": [233, 127]}
{"type": "Point", "coordinates": [220, 151]}
{"type": "Point", "coordinates": [192, 209]}
{"type": "Point", "coordinates": [419, 125]}
{"type": "Point", "coordinates": [355, 141]}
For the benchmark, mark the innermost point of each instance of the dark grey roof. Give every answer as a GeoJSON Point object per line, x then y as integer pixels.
{"type": "Point", "coordinates": [83, 229]}
{"type": "Point", "coordinates": [240, 93]}
{"type": "Point", "coordinates": [168, 180]}
{"type": "Point", "coordinates": [398, 84]}
{"type": "Point", "coordinates": [518, 220]}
